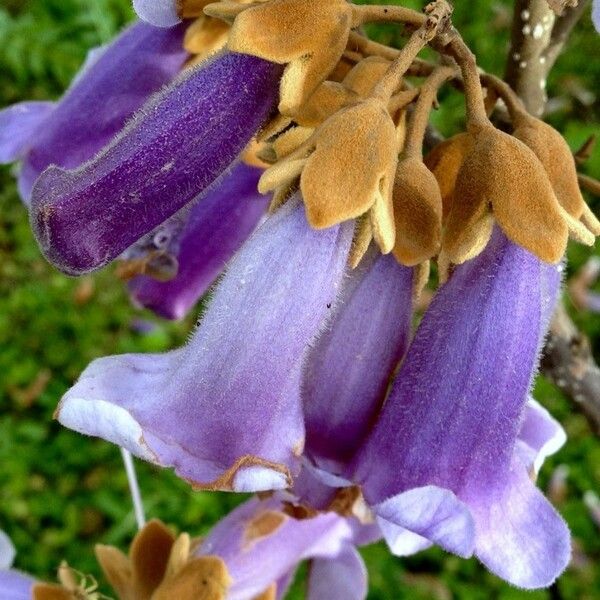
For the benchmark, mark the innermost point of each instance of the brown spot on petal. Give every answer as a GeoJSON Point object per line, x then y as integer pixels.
{"type": "Point", "coordinates": [263, 525]}
{"type": "Point", "coordinates": [418, 213]}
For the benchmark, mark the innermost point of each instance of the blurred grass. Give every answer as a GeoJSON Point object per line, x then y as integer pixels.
{"type": "Point", "coordinates": [59, 492]}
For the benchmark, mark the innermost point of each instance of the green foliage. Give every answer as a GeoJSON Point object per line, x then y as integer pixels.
{"type": "Point", "coordinates": [59, 492]}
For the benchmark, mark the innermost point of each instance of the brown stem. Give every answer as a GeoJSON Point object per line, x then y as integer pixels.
{"type": "Point", "coordinates": [420, 116]}
{"type": "Point", "coordinates": [515, 106]}
{"type": "Point", "coordinates": [402, 99]}
{"type": "Point", "coordinates": [589, 183]}
{"type": "Point", "coordinates": [438, 14]}
{"type": "Point", "coordinates": [367, 13]}
{"type": "Point", "coordinates": [568, 362]}
{"type": "Point", "coordinates": [476, 112]}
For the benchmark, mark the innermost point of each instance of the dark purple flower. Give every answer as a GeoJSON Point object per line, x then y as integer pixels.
{"type": "Point", "coordinates": [179, 143]}
{"type": "Point", "coordinates": [441, 461]}
{"type": "Point", "coordinates": [111, 86]}
{"type": "Point", "coordinates": [225, 410]}
{"type": "Point", "coordinates": [262, 545]}
{"type": "Point", "coordinates": [214, 230]}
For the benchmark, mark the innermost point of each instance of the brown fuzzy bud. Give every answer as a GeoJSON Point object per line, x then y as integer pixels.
{"type": "Point", "coordinates": [417, 213]}
{"type": "Point", "coordinates": [308, 35]}
{"type": "Point", "coordinates": [502, 175]}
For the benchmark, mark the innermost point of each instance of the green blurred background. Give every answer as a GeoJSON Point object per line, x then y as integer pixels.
{"type": "Point", "coordinates": [60, 493]}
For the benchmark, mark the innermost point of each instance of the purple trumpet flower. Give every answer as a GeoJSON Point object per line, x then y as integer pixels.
{"type": "Point", "coordinates": [441, 461]}
{"type": "Point", "coordinates": [349, 368]}
{"type": "Point", "coordinates": [262, 545]}
{"type": "Point", "coordinates": [225, 410]}
{"type": "Point", "coordinates": [180, 142]}
{"type": "Point", "coordinates": [112, 85]}
{"type": "Point", "coordinates": [13, 584]}
{"type": "Point", "coordinates": [216, 228]}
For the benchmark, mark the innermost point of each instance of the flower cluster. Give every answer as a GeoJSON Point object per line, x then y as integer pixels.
{"type": "Point", "coordinates": [303, 379]}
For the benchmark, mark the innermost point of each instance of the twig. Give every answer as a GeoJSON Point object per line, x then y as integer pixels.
{"type": "Point", "coordinates": [567, 358]}
{"type": "Point", "coordinates": [568, 362]}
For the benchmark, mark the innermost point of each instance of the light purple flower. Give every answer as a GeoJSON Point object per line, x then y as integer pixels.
{"type": "Point", "coordinates": [214, 229]}
{"type": "Point", "coordinates": [14, 585]}
{"type": "Point", "coordinates": [262, 545]}
{"type": "Point", "coordinates": [596, 14]}
{"type": "Point", "coordinates": [180, 142]}
{"type": "Point", "coordinates": [441, 460]}
{"type": "Point", "coordinates": [111, 86]}
{"type": "Point", "coordinates": [225, 410]}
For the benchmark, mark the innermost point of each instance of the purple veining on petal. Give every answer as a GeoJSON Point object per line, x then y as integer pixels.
{"type": "Point", "coordinates": [109, 89]}
{"type": "Point", "coordinates": [448, 430]}
{"type": "Point", "coordinates": [180, 142]}
{"type": "Point", "coordinates": [216, 228]}
{"type": "Point", "coordinates": [348, 370]}
{"type": "Point", "coordinates": [233, 391]}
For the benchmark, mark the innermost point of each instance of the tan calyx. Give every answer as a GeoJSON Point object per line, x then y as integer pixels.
{"type": "Point", "coordinates": [159, 567]}
{"type": "Point", "coordinates": [309, 36]}
{"type": "Point", "coordinates": [556, 156]}
{"type": "Point", "coordinates": [263, 525]}
{"type": "Point", "coordinates": [500, 176]}
{"type": "Point", "coordinates": [417, 212]}
{"type": "Point", "coordinates": [346, 169]}
{"type": "Point", "coordinates": [73, 586]}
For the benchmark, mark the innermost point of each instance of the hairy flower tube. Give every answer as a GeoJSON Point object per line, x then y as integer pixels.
{"type": "Point", "coordinates": [96, 106]}
{"type": "Point", "coordinates": [448, 429]}
{"type": "Point", "coordinates": [225, 410]}
{"type": "Point", "coordinates": [167, 155]}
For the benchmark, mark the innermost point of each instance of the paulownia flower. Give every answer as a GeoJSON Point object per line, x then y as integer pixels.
{"type": "Point", "coordinates": [348, 369]}
{"type": "Point", "coordinates": [596, 14]}
{"type": "Point", "coordinates": [309, 36]}
{"type": "Point", "coordinates": [442, 460]}
{"type": "Point", "coordinates": [215, 228]}
{"type": "Point", "coordinates": [225, 410]}
{"type": "Point", "coordinates": [180, 142]}
{"type": "Point", "coordinates": [166, 13]}
{"type": "Point", "coordinates": [96, 106]}
{"type": "Point", "coordinates": [13, 584]}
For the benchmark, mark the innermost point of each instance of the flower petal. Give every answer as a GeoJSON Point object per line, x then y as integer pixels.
{"type": "Point", "coordinates": [7, 551]}
{"type": "Point", "coordinates": [217, 227]}
{"type": "Point", "coordinates": [177, 146]}
{"type": "Point", "coordinates": [18, 126]}
{"type": "Point", "coordinates": [102, 98]}
{"type": "Point", "coordinates": [341, 578]}
{"type": "Point", "coordinates": [520, 536]}
{"type": "Point", "coordinates": [225, 409]}
{"type": "Point", "coordinates": [540, 436]}
{"type": "Point", "coordinates": [347, 372]}
{"type": "Point", "coordinates": [260, 543]}
{"type": "Point", "coordinates": [15, 585]}
{"type": "Point", "coordinates": [160, 13]}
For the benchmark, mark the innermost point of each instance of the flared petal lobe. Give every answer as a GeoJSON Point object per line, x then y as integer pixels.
{"type": "Point", "coordinates": [108, 90]}
{"type": "Point", "coordinates": [260, 543]}
{"type": "Point", "coordinates": [225, 410]}
{"type": "Point", "coordinates": [349, 368]}
{"type": "Point", "coordinates": [160, 13]}
{"type": "Point", "coordinates": [218, 225]}
{"type": "Point", "coordinates": [441, 461]}
{"type": "Point", "coordinates": [180, 142]}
